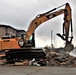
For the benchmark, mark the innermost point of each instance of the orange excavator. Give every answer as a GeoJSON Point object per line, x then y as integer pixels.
{"type": "Point", "coordinates": [29, 52]}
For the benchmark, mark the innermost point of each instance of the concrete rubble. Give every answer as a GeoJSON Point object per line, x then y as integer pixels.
{"type": "Point", "coordinates": [57, 58]}
{"type": "Point", "coordinates": [60, 59]}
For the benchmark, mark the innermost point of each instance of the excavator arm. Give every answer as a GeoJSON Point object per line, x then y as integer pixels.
{"type": "Point", "coordinates": [41, 18]}
{"type": "Point", "coordinates": [67, 24]}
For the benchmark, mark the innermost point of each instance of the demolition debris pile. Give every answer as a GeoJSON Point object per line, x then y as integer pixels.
{"type": "Point", "coordinates": [55, 57]}
{"type": "Point", "coordinates": [60, 59]}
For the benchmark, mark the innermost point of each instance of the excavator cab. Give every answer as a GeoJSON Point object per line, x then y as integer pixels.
{"type": "Point", "coordinates": [31, 42]}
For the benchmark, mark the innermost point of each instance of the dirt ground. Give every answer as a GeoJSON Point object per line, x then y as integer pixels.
{"type": "Point", "coordinates": [35, 70]}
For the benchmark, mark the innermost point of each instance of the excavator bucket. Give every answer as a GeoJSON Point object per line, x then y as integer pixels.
{"type": "Point", "coordinates": [69, 47]}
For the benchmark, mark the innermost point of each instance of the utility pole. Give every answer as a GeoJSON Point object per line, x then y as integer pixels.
{"type": "Point", "coordinates": [52, 39]}
{"type": "Point", "coordinates": [54, 42]}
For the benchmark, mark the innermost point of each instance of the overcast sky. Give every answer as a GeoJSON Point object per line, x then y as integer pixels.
{"type": "Point", "coordinates": [19, 14]}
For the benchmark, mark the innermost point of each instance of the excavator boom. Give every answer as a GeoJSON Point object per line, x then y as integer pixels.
{"type": "Point", "coordinates": [41, 18]}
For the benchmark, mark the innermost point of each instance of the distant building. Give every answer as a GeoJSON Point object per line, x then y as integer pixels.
{"type": "Point", "coordinates": [6, 29]}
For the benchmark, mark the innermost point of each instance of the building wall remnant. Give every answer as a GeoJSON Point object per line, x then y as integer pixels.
{"type": "Point", "coordinates": [6, 29]}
